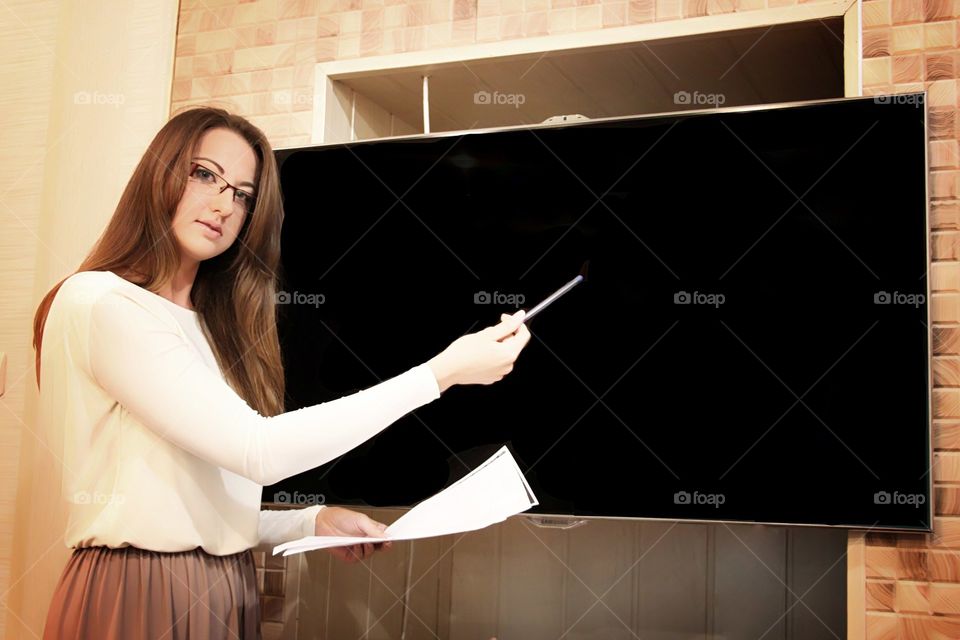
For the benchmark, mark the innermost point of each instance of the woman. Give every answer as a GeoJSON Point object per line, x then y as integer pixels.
{"type": "Point", "coordinates": [159, 364]}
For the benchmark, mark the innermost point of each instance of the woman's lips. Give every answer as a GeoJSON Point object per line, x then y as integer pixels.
{"type": "Point", "coordinates": [210, 230]}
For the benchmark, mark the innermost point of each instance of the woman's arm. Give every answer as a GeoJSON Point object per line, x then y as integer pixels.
{"type": "Point", "coordinates": [283, 525]}
{"type": "Point", "coordinates": [157, 375]}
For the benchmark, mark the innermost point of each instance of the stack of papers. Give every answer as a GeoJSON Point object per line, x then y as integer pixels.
{"type": "Point", "coordinates": [489, 494]}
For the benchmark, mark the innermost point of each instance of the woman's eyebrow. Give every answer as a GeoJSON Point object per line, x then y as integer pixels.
{"type": "Point", "coordinates": [220, 169]}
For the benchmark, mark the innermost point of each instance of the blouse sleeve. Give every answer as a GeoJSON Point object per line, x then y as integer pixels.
{"type": "Point", "coordinates": [150, 369]}
{"type": "Point", "coordinates": [283, 525]}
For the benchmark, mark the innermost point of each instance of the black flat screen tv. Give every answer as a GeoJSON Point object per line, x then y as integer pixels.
{"type": "Point", "coordinates": [751, 344]}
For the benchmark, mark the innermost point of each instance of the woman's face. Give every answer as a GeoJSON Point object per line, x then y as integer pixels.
{"type": "Point", "coordinates": [223, 152]}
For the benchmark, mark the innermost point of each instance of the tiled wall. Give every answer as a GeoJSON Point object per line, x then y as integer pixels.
{"type": "Point", "coordinates": [258, 58]}
{"type": "Point", "coordinates": [913, 582]}
{"type": "Point", "coordinates": [271, 584]}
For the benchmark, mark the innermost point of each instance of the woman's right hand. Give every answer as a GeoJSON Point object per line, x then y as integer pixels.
{"type": "Point", "coordinates": [483, 357]}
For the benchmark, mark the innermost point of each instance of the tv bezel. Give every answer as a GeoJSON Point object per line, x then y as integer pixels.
{"type": "Point", "coordinates": [564, 520]}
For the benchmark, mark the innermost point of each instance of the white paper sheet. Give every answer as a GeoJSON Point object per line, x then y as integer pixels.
{"type": "Point", "coordinates": [491, 493]}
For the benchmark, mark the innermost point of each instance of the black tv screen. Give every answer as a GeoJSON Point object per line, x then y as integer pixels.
{"type": "Point", "coordinates": [751, 343]}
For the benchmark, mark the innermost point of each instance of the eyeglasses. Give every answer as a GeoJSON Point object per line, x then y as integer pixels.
{"type": "Point", "coordinates": [213, 183]}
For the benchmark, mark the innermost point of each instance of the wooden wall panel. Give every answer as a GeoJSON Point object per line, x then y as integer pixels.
{"type": "Point", "coordinates": [607, 579]}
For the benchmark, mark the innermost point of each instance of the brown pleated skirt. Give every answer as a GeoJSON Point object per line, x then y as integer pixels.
{"type": "Point", "coordinates": [132, 593]}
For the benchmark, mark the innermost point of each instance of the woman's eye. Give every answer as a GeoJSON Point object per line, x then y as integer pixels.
{"type": "Point", "coordinates": [204, 175]}
{"type": "Point", "coordinates": [242, 197]}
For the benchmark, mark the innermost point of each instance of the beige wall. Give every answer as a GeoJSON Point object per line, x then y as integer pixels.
{"type": "Point", "coordinates": [86, 86]}
{"type": "Point", "coordinates": [27, 40]}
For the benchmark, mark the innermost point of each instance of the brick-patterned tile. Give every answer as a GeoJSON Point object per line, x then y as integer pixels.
{"type": "Point", "coordinates": [945, 307]}
{"type": "Point", "coordinates": [944, 154]}
{"type": "Point", "coordinates": [913, 564]}
{"type": "Point", "coordinates": [910, 541]}
{"type": "Point", "coordinates": [181, 89]}
{"type": "Point", "coordinates": [590, 18]}
{"type": "Point", "coordinates": [946, 371]}
{"type": "Point", "coordinates": [488, 29]}
{"type": "Point", "coordinates": [945, 598]}
{"type": "Point", "coordinates": [464, 32]}
{"type": "Point", "coordinates": [907, 69]}
{"type": "Point", "coordinates": [490, 8]}
{"type": "Point", "coordinates": [348, 46]}
{"type": "Point", "coordinates": [946, 404]}
{"type": "Point", "coordinates": [946, 433]}
{"type": "Point", "coordinates": [942, 93]}
{"type": "Point", "coordinates": [880, 595]}
{"type": "Point", "coordinates": [906, 11]}
{"type": "Point", "coordinates": [939, 35]}
{"type": "Point", "coordinates": [371, 43]}
{"type": "Point", "coordinates": [907, 38]}
{"type": "Point", "coordinates": [946, 341]}
{"type": "Point", "coordinates": [876, 13]}
{"type": "Point", "coordinates": [944, 247]}
{"type": "Point", "coordinates": [944, 566]}
{"type": "Point", "coordinates": [941, 122]}
{"type": "Point", "coordinates": [668, 9]}
{"type": "Point", "coordinates": [535, 24]}
{"type": "Point", "coordinates": [918, 627]}
{"type": "Point", "coordinates": [467, 9]}
{"type": "Point", "coordinates": [328, 26]}
{"type": "Point", "coordinates": [440, 34]}
{"type": "Point", "coordinates": [720, 7]}
{"type": "Point", "coordinates": [614, 14]}
{"type": "Point", "coordinates": [414, 37]}
{"type": "Point", "coordinates": [511, 27]}
{"type": "Point", "coordinates": [877, 71]}
{"type": "Point", "coordinates": [371, 20]}
{"type": "Point", "coordinates": [694, 8]}
{"type": "Point", "coordinates": [881, 562]}
{"type": "Point", "coordinates": [912, 597]}
{"type": "Point", "coordinates": [943, 184]}
{"type": "Point", "coordinates": [940, 66]}
{"type": "Point", "coordinates": [946, 464]}
{"type": "Point", "coordinates": [881, 626]}
{"type": "Point", "coordinates": [639, 11]}
{"type": "Point", "coordinates": [946, 533]}
{"type": "Point", "coordinates": [947, 500]}
{"type": "Point", "coordinates": [934, 10]}
{"type": "Point", "coordinates": [392, 17]}
{"type": "Point", "coordinates": [876, 43]}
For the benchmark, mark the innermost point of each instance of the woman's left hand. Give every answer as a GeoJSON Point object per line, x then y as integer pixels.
{"type": "Point", "coordinates": [337, 521]}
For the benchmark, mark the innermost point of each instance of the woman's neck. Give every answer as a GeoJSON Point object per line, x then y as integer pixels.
{"type": "Point", "coordinates": [177, 289]}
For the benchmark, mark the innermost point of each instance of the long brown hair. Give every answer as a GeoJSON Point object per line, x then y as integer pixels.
{"type": "Point", "coordinates": [234, 292]}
